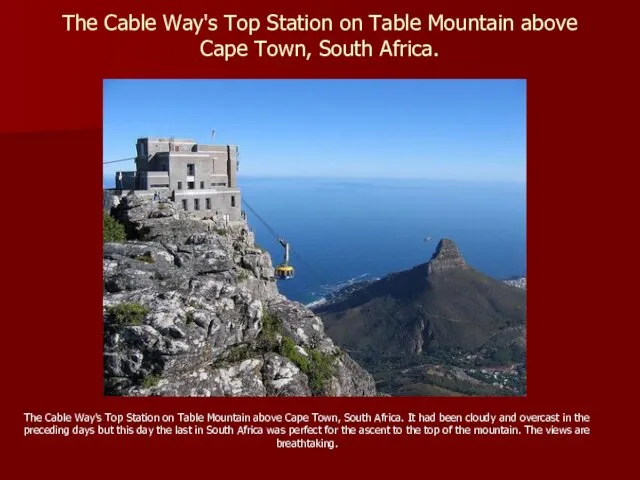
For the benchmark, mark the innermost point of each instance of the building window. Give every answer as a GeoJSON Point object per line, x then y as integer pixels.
{"type": "Point", "coordinates": [179, 185]}
{"type": "Point", "coordinates": [201, 185]}
{"type": "Point", "coordinates": [196, 204]}
{"type": "Point", "coordinates": [191, 169]}
{"type": "Point", "coordinates": [184, 205]}
{"type": "Point", "coordinates": [233, 201]}
{"type": "Point", "coordinates": [191, 185]}
{"type": "Point", "coordinates": [208, 204]}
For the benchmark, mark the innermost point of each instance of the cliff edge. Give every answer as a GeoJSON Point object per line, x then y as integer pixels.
{"type": "Point", "coordinates": [191, 308]}
{"type": "Point", "coordinates": [446, 257]}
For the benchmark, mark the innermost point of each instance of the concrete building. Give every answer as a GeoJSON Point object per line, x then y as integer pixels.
{"type": "Point", "coordinates": [200, 178]}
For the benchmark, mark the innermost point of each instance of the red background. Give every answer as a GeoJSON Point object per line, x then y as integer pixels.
{"type": "Point", "coordinates": [53, 279]}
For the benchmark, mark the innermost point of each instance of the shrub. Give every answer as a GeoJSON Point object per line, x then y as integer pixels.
{"type": "Point", "coordinates": [112, 230]}
{"type": "Point", "coordinates": [318, 366]}
{"type": "Point", "coordinates": [289, 349]}
{"type": "Point", "coordinates": [271, 328]}
{"type": "Point", "coordinates": [321, 369]}
{"type": "Point", "coordinates": [150, 381]}
{"type": "Point", "coordinates": [145, 258]}
{"type": "Point", "coordinates": [238, 353]}
{"type": "Point", "coordinates": [235, 354]}
{"type": "Point", "coordinates": [125, 314]}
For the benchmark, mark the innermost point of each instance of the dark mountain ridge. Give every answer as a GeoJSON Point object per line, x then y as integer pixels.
{"type": "Point", "coordinates": [442, 308]}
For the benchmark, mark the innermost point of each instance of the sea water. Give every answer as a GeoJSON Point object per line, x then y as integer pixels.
{"type": "Point", "coordinates": [345, 230]}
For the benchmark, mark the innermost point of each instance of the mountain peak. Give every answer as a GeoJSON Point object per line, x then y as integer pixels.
{"type": "Point", "coordinates": [446, 256]}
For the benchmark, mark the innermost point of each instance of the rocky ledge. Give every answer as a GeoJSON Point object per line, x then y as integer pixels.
{"type": "Point", "coordinates": [191, 308]}
{"type": "Point", "coordinates": [446, 256]}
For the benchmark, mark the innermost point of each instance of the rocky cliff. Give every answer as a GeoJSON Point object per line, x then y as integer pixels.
{"type": "Point", "coordinates": [191, 308]}
{"type": "Point", "coordinates": [441, 313]}
{"type": "Point", "coordinates": [446, 257]}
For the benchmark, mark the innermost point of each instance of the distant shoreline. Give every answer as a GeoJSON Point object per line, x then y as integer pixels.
{"type": "Point", "coordinates": [519, 281]}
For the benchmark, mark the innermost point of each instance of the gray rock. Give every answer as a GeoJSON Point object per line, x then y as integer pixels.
{"type": "Point", "coordinates": [283, 378]}
{"type": "Point", "coordinates": [446, 256]}
{"type": "Point", "coordinates": [300, 323]}
{"type": "Point", "coordinates": [195, 325]}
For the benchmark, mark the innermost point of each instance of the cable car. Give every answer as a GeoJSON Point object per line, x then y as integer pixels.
{"type": "Point", "coordinates": [284, 271]}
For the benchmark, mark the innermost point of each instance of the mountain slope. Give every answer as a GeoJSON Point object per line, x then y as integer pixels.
{"type": "Point", "coordinates": [441, 306]}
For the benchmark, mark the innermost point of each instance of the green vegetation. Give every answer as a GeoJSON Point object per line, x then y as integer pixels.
{"type": "Point", "coordinates": [189, 318]}
{"type": "Point", "coordinates": [125, 314]}
{"type": "Point", "coordinates": [112, 230]}
{"type": "Point", "coordinates": [318, 366]}
{"type": "Point", "coordinates": [271, 329]}
{"type": "Point", "coordinates": [289, 349]}
{"type": "Point", "coordinates": [243, 276]}
{"type": "Point", "coordinates": [238, 354]}
{"type": "Point", "coordinates": [406, 375]}
{"type": "Point", "coordinates": [235, 354]}
{"type": "Point", "coordinates": [150, 381]}
{"type": "Point", "coordinates": [465, 388]}
{"type": "Point", "coordinates": [420, 382]}
{"type": "Point", "coordinates": [504, 355]}
{"type": "Point", "coordinates": [321, 369]}
{"type": "Point", "coordinates": [470, 381]}
{"type": "Point", "coordinates": [220, 231]}
{"type": "Point", "coordinates": [379, 363]}
{"type": "Point", "coordinates": [145, 258]}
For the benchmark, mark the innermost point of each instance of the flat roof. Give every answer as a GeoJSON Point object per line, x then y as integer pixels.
{"type": "Point", "coordinates": [167, 139]}
{"type": "Point", "coordinates": [184, 140]}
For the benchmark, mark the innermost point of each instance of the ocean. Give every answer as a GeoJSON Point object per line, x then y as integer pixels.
{"type": "Point", "coordinates": [345, 230]}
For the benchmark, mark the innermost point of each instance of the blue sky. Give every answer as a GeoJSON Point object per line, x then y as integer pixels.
{"type": "Point", "coordinates": [436, 129]}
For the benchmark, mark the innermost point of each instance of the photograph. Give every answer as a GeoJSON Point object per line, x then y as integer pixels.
{"type": "Point", "coordinates": [325, 238]}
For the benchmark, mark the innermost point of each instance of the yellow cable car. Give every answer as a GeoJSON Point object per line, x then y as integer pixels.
{"type": "Point", "coordinates": [284, 271]}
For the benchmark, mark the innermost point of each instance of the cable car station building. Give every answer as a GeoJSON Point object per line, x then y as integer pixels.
{"type": "Point", "coordinates": [199, 178]}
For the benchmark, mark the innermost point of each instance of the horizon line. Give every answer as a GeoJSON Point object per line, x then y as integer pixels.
{"type": "Point", "coordinates": [379, 177]}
